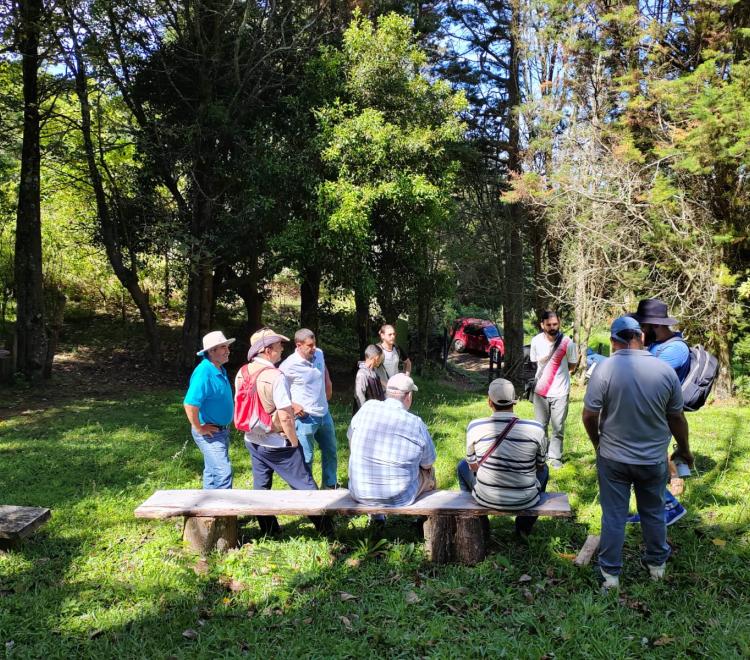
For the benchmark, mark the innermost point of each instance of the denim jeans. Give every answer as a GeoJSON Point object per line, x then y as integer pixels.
{"type": "Point", "coordinates": [217, 470]}
{"type": "Point", "coordinates": [467, 478]}
{"type": "Point", "coordinates": [552, 411]}
{"type": "Point", "coordinates": [311, 429]}
{"type": "Point", "coordinates": [615, 479]}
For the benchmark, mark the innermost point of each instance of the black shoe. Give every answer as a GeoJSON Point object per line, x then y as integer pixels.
{"type": "Point", "coordinates": [324, 525]}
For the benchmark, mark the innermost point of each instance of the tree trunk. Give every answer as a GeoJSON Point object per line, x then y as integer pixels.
{"type": "Point", "coordinates": [513, 294]}
{"type": "Point", "coordinates": [723, 347]}
{"type": "Point", "coordinates": [55, 307]}
{"type": "Point", "coordinates": [362, 304]}
{"type": "Point", "coordinates": [424, 310]}
{"type": "Point", "coordinates": [537, 242]}
{"type": "Point", "coordinates": [253, 300]}
{"type": "Point", "coordinates": [110, 234]}
{"type": "Point", "coordinates": [167, 295]}
{"type": "Point", "coordinates": [513, 297]}
{"type": "Point", "coordinates": [386, 304]}
{"type": "Point", "coordinates": [204, 534]}
{"type": "Point", "coordinates": [197, 315]}
{"type": "Point", "coordinates": [32, 340]}
{"type": "Point", "coordinates": [310, 294]}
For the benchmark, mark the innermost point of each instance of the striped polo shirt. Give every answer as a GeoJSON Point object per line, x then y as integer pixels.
{"type": "Point", "coordinates": [507, 479]}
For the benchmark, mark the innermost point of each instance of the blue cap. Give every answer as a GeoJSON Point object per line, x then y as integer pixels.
{"type": "Point", "coordinates": [623, 323]}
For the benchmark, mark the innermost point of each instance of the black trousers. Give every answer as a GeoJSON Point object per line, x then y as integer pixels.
{"type": "Point", "coordinates": [289, 464]}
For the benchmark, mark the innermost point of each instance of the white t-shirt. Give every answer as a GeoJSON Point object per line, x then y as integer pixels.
{"type": "Point", "coordinates": [553, 375]}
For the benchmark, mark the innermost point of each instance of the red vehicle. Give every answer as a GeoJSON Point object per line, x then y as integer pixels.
{"type": "Point", "coordinates": [477, 335]}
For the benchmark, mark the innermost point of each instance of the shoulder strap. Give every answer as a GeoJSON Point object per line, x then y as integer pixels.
{"type": "Point", "coordinates": [673, 338]}
{"type": "Point", "coordinates": [252, 379]}
{"type": "Point", "coordinates": [555, 345]}
{"type": "Point", "coordinates": [501, 436]}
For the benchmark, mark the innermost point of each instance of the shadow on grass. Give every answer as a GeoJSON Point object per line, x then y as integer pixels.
{"type": "Point", "coordinates": [95, 582]}
{"type": "Point", "coordinates": [299, 597]}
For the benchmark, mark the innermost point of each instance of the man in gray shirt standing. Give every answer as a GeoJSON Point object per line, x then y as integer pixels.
{"type": "Point", "coordinates": [633, 406]}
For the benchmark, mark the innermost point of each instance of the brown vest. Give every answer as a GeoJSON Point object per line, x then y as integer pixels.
{"type": "Point", "coordinates": [265, 383]}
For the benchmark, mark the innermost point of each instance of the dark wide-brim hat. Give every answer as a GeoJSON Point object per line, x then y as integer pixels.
{"type": "Point", "coordinates": [653, 311]}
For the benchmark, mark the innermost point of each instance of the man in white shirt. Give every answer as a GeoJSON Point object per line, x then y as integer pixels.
{"type": "Point", "coordinates": [395, 359]}
{"type": "Point", "coordinates": [555, 356]}
{"type": "Point", "coordinates": [311, 388]}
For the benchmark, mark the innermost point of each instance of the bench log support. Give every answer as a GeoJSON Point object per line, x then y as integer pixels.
{"type": "Point", "coordinates": [204, 533]}
{"type": "Point", "coordinates": [461, 539]}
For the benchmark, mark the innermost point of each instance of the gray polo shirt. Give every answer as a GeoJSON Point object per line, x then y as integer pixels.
{"type": "Point", "coordinates": [633, 392]}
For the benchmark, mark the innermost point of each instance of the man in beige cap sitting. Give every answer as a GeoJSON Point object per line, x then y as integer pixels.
{"type": "Point", "coordinates": [505, 465]}
{"type": "Point", "coordinates": [274, 448]}
{"type": "Point", "coordinates": [391, 451]}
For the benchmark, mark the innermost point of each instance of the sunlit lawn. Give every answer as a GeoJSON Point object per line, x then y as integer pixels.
{"type": "Point", "coordinates": [96, 582]}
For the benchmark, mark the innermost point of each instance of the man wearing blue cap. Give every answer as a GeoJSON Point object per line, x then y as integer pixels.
{"type": "Point", "coordinates": [633, 406]}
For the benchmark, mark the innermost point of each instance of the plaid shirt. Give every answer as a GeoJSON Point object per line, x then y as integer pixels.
{"type": "Point", "coordinates": [388, 445]}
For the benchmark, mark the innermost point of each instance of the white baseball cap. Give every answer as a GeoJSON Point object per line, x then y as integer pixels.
{"type": "Point", "coordinates": [401, 383]}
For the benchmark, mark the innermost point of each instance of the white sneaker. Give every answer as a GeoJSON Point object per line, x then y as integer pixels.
{"type": "Point", "coordinates": [609, 581]}
{"type": "Point", "coordinates": [656, 572]}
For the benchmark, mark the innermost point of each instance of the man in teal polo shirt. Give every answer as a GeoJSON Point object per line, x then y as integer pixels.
{"type": "Point", "coordinates": [209, 407]}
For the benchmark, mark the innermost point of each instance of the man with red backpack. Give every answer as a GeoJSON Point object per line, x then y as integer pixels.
{"type": "Point", "coordinates": [263, 409]}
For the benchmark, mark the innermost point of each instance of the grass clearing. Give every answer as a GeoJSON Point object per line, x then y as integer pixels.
{"type": "Point", "coordinates": [96, 582]}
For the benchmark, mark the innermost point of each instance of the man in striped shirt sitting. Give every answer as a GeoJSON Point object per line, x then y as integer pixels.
{"type": "Point", "coordinates": [514, 474]}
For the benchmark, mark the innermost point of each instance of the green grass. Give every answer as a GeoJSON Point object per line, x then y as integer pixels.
{"type": "Point", "coordinates": [96, 582]}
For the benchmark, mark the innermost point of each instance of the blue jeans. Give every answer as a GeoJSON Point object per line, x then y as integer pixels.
{"type": "Point", "coordinates": [615, 479]}
{"type": "Point", "coordinates": [311, 429]}
{"type": "Point", "coordinates": [467, 479]}
{"type": "Point", "coordinates": [217, 470]}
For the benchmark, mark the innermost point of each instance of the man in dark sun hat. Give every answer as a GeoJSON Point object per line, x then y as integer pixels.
{"type": "Point", "coordinates": [670, 347]}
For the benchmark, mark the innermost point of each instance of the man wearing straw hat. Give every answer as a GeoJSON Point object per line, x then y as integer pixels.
{"type": "Point", "coordinates": [275, 449]}
{"type": "Point", "coordinates": [209, 408]}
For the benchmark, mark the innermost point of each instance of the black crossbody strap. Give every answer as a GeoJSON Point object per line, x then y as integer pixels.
{"type": "Point", "coordinates": [499, 439]}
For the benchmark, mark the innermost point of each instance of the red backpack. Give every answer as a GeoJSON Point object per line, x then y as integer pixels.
{"type": "Point", "coordinates": [248, 409]}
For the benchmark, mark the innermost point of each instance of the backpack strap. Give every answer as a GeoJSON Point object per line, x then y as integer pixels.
{"type": "Point", "coordinates": [673, 338]}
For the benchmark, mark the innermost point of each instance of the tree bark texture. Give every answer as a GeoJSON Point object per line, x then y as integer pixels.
{"type": "Point", "coordinates": [204, 534]}
{"type": "Point", "coordinates": [424, 311]}
{"type": "Point", "coordinates": [205, 187]}
{"type": "Point", "coordinates": [55, 308]}
{"type": "Point", "coordinates": [461, 539]}
{"type": "Point", "coordinates": [30, 331]}
{"type": "Point", "coordinates": [362, 306]}
{"type": "Point", "coordinates": [108, 225]}
{"type": "Point", "coordinates": [513, 294]}
{"type": "Point", "coordinates": [310, 295]}
{"type": "Point", "coordinates": [197, 315]}
{"type": "Point", "coordinates": [253, 300]}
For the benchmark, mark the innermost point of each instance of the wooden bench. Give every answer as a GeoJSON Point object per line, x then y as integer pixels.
{"type": "Point", "coordinates": [454, 529]}
{"type": "Point", "coordinates": [18, 522]}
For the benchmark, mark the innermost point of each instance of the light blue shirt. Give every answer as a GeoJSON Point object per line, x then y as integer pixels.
{"type": "Point", "coordinates": [307, 382]}
{"type": "Point", "coordinates": [388, 444]}
{"type": "Point", "coordinates": [211, 393]}
{"type": "Point", "coordinates": [675, 353]}
{"type": "Point", "coordinates": [633, 392]}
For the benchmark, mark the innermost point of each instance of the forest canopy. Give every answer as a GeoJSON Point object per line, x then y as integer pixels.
{"type": "Point", "coordinates": [174, 156]}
